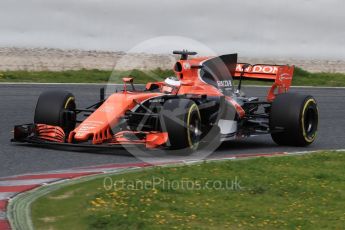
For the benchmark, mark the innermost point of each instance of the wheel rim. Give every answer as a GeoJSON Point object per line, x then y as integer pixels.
{"type": "Point", "coordinates": [194, 129]}
{"type": "Point", "coordinates": [69, 106]}
{"type": "Point", "coordinates": [310, 119]}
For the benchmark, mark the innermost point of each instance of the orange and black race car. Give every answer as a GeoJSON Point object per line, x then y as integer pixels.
{"type": "Point", "coordinates": [200, 104]}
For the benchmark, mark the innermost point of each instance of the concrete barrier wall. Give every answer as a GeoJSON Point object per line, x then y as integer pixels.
{"type": "Point", "coordinates": [38, 59]}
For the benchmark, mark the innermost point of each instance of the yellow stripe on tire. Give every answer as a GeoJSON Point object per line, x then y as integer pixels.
{"type": "Point", "coordinates": [193, 107]}
{"type": "Point", "coordinates": [68, 101]}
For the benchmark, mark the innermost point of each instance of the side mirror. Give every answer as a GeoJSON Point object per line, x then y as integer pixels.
{"type": "Point", "coordinates": [126, 80]}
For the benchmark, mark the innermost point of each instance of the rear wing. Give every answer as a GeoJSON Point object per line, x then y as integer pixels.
{"type": "Point", "coordinates": [280, 74]}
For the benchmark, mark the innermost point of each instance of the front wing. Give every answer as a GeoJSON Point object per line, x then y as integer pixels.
{"type": "Point", "coordinates": [42, 134]}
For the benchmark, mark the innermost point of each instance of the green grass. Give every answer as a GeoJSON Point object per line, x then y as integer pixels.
{"type": "Point", "coordinates": [304, 78]}
{"type": "Point", "coordinates": [301, 77]}
{"type": "Point", "coordinates": [83, 76]}
{"type": "Point", "coordinates": [297, 192]}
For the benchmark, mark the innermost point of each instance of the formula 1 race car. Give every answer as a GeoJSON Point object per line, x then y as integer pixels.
{"type": "Point", "coordinates": [200, 104]}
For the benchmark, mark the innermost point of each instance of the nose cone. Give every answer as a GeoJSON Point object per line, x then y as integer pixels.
{"type": "Point", "coordinates": [98, 125]}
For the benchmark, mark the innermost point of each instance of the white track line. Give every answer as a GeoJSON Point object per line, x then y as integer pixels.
{"type": "Point", "coordinates": [103, 84]}
{"type": "Point", "coordinates": [43, 83]}
{"type": "Point", "coordinates": [340, 150]}
{"type": "Point", "coordinates": [3, 215]}
{"type": "Point", "coordinates": [26, 182]}
{"type": "Point", "coordinates": [7, 195]}
{"type": "Point", "coordinates": [298, 86]}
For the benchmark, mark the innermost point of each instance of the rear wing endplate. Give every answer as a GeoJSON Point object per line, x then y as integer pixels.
{"type": "Point", "coordinates": [280, 74]}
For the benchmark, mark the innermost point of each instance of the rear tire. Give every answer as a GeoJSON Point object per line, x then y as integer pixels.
{"type": "Point", "coordinates": [181, 119]}
{"type": "Point", "coordinates": [297, 116]}
{"type": "Point", "coordinates": [56, 108]}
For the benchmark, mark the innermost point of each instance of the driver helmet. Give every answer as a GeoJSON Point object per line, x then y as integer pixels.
{"type": "Point", "coordinates": [172, 81]}
{"type": "Point", "coordinates": [171, 85]}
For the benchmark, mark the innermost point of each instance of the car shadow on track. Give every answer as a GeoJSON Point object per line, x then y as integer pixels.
{"type": "Point", "coordinates": [246, 145]}
{"type": "Point", "coordinates": [229, 147]}
{"type": "Point", "coordinates": [88, 150]}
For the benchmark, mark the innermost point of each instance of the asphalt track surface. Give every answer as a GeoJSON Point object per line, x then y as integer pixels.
{"type": "Point", "coordinates": [17, 103]}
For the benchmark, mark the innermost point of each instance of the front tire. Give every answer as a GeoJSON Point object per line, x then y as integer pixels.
{"type": "Point", "coordinates": [56, 108]}
{"type": "Point", "coordinates": [294, 119]}
{"type": "Point", "coordinates": [181, 119]}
